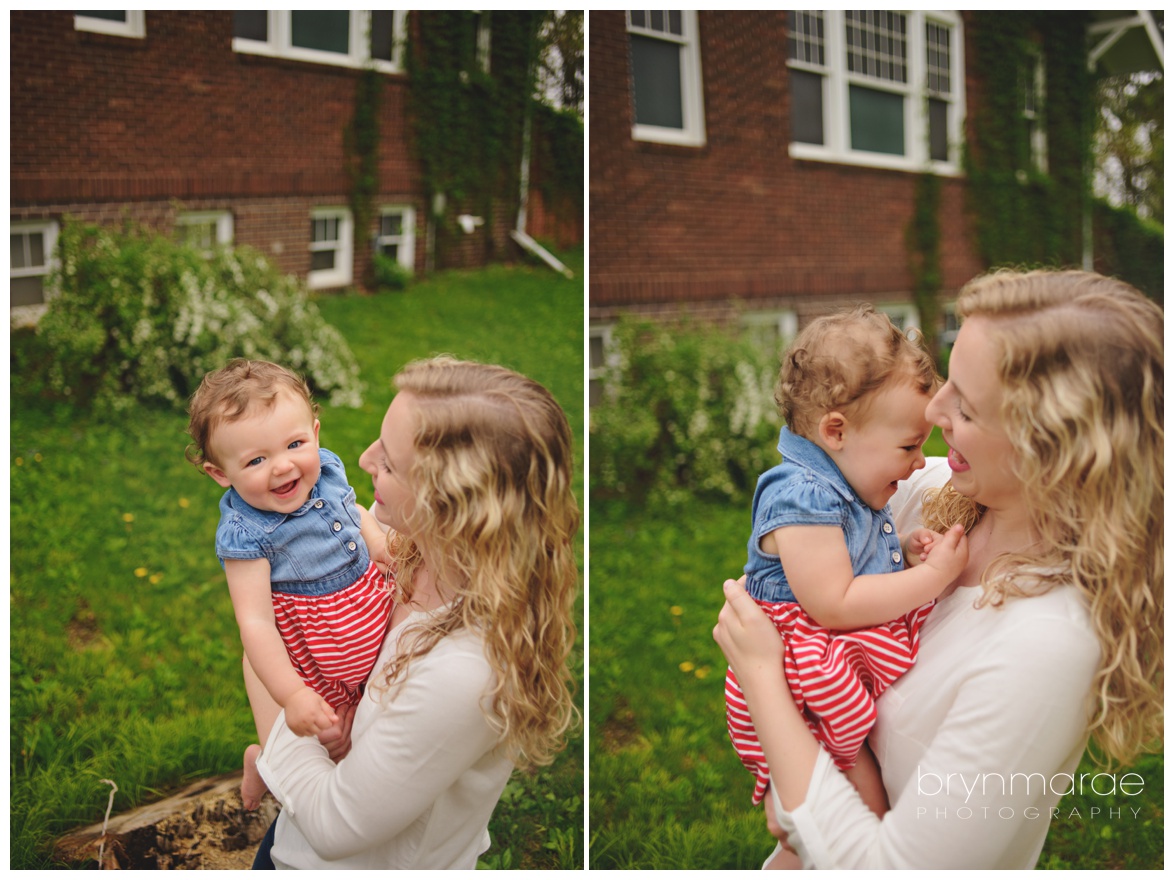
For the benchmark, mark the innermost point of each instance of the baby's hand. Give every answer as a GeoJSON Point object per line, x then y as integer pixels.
{"type": "Point", "coordinates": [918, 543]}
{"type": "Point", "coordinates": [949, 553]}
{"type": "Point", "coordinates": [307, 714]}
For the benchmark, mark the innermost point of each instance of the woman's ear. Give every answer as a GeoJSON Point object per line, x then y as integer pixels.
{"type": "Point", "coordinates": [831, 429]}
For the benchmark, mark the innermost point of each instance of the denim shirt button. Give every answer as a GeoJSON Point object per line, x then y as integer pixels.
{"type": "Point", "coordinates": [351, 545]}
{"type": "Point", "coordinates": [896, 556]}
{"type": "Point", "coordinates": [338, 527]}
{"type": "Point", "coordinates": [888, 528]}
{"type": "Point", "coordinates": [317, 505]}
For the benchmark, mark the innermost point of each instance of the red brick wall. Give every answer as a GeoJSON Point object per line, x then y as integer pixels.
{"type": "Point", "coordinates": [103, 125]}
{"type": "Point", "coordinates": [738, 218]}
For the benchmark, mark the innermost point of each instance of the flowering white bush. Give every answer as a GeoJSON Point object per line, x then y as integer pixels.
{"type": "Point", "coordinates": [138, 318]}
{"type": "Point", "coordinates": [688, 412]}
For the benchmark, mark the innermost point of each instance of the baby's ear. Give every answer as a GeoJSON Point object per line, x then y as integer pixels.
{"type": "Point", "coordinates": [831, 429]}
{"type": "Point", "coordinates": [216, 474]}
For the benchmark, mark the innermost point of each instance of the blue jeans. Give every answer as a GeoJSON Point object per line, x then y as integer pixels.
{"type": "Point", "coordinates": [262, 861]}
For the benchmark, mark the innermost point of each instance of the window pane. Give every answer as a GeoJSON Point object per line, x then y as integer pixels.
{"type": "Point", "coordinates": [939, 144]}
{"type": "Point", "coordinates": [806, 106]}
{"type": "Point", "coordinates": [805, 37]}
{"type": "Point", "coordinates": [595, 387]}
{"type": "Point", "coordinates": [117, 15]}
{"type": "Point", "coordinates": [36, 249]}
{"type": "Point", "coordinates": [656, 82]}
{"type": "Point", "coordinates": [382, 34]}
{"type": "Point", "coordinates": [392, 224]}
{"type": "Point", "coordinates": [656, 21]}
{"type": "Point", "coordinates": [26, 291]}
{"type": "Point", "coordinates": [878, 121]}
{"type": "Point", "coordinates": [321, 260]}
{"type": "Point", "coordinates": [251, 25]}
{"type": "Point", "coordinates": [675, 24]}
{"type": "Point", "coordinates": [637, 17]}
{"type": "Point", "coordinates": [324, 31]}
{"type": "Point", "coordinates": [596, 352]}
{"type": "Point", "coordinates": [16, 248]}
{"type": "Point", "coordinates": [390, 250]}
{"type": "Point", "coordinates": [876, 44]}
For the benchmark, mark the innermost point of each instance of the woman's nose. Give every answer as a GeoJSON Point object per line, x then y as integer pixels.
{"type": "Point", "coordinates": [935, 412]}
{"type": "Point", "coordinates": [366, 461]}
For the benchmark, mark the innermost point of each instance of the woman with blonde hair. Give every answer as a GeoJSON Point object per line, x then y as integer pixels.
{"type": "Point", "coordinates": [472, 473]}
{"type": "Point", "coordinates": [1052, 633]}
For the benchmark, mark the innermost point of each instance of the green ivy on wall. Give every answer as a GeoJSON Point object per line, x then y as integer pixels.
{"type": "Point", "coordinates": [361, 148]}
{"type": "Point", "coordinates": [467, 123]}
{"type": "Point", "coordinates": [923, 243]}
{"type": "Point", "coordinates": [1023, 215]}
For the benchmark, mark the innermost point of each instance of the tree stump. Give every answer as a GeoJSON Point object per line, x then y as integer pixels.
{"type": "Point", "coordinates": [204, 826]}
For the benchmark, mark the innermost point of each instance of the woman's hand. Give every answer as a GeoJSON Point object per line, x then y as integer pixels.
{"type": "Point", "coordinates": [337, 739]}
{"type": "Point", "coordinates": [746, 636]}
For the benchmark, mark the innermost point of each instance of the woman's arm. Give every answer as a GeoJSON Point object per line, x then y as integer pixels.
{"type": "Point", "coordinates": [248, 584]}
{"type": "Point", "coordinates": [819, 571]}
{"type": "Point", "coordinates": [1016, 720]}
{"type": "Point", "coordinates": [421, 739]}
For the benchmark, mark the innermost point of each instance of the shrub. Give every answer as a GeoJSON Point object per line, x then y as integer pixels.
{"type": "Point", "coordinates": [688, 411]}
{"type": "Point", "coordinates": [389, 273]}
{"type": "Point", "coordinates": [140, 318]}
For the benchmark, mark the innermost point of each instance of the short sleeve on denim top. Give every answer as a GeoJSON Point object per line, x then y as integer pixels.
{"type": "Point", "coordinates": [808, 489]}
{"type": "Point", "coordinates": [316, 550]}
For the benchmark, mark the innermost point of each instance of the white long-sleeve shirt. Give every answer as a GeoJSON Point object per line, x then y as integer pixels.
{"type": "Point", "coordinates": [420, 782]}
{"type": "Point", "coordinates": [972, 742]}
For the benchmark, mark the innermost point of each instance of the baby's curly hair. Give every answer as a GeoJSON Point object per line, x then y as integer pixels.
{"type": "Point", "coordinates": [230, 393]}
{"type": "Point", "coordinates": [838, 361]}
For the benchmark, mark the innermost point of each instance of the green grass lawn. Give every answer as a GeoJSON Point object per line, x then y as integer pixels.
{"type": "Point", "coordinates": [125, 657]}
{"type": "Point", "coordinates": [667, 790]}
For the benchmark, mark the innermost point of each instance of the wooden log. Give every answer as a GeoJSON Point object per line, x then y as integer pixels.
{"type": "Point", "coordinates": [202, 826]}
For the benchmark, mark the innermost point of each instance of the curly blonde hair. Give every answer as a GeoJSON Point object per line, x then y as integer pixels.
{"type": "Point", "coordinates": [495, 510]}
{"type": "Point", "coordinates": [837, 362]}
{"type": "Point", "coordinates": [230, 393]}
{"type": "Point", "coordinates": [1080, 362]}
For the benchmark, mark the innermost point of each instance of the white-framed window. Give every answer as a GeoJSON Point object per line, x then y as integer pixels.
{"type": "Point", "coordinates": [903, 315]}
{"type": "Point", "coordinates": [119, 23]}
{"type": "Point", "coordinates": [1031, 83]}
{"type": "Point", "coordinates": [771, 331]}
{"type": "Point", "coordinates": [331, 248]}
{"type": "Point", "coordinates": [204, 230]}
{"type": "Point", "coordinates": [666, 77]}
{"type": "Point", "coordinates": [877, 88]}
{"type": "Point", "coordinates": [601, 356]}
{"type": "Point", "coordinates": [396, 237]}
{"type": "Point", "coordinates": [324, 37]}
{"type": "Point", "coordinates": [31, 247]}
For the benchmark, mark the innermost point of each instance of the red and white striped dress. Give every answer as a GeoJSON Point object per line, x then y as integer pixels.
{"type": "Point", "coordinates": [333, 640]}
{"type": "Point", "coordinates": [835, 677]}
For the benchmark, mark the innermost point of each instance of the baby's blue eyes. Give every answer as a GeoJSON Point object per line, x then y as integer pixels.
{"type": "Point", "coordinates": [295, 444]}
{"type": "Point", "coordinates": [254, 461]}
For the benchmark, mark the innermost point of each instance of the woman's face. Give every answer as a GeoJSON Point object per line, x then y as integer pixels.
{"type": "Point", "coordinates": [967, 409]}
{"type": "Point", "coordinates": [389, 462]}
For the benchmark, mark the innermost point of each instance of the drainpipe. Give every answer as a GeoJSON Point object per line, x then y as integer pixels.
{"type": "Point", "coordinates": [519, 233]}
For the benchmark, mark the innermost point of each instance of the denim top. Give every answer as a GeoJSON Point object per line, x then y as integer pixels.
{"type": "Point", "coordinates": [808, 489]}
{"type": "Point", "coordinates": [314, 551]}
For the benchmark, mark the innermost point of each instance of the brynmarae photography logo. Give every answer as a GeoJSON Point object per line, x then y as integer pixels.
{"type": "Point", "coordinates": [1025, 795]}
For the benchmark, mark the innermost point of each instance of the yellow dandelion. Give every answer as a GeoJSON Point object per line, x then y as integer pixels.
{"type": "Point", "coordinates": [701, 672]}
{"type": "Point", "coordinates": [184, 503]}
{"type": "Point", "coordinates": [156, 577]}
{"type": "Point", "coordinates": [19, 461]}
{"type": "Point", "coordinates": [676, 611]}
{"type": "Point", "coordinates": [38, 457]}
{"type": "Point", "coordinates": [128, 517]}
{"type": "Point", "coordinates": [686, 667]}
{"type": "Point", "coordinates": [140, 572]}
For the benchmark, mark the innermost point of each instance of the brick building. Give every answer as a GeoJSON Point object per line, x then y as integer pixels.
{"type": "Point", "coordinates": [227, 127]}
{"type": "Point", "coordinates": [761, 166]}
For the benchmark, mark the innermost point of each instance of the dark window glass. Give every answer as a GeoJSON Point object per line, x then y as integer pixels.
{"type": "Point", "coordinates": [28, 291]}
{"type": "Point", "coordinates": [656, 82]}
{"type": "Point", "coordinates": [877, 119]}
{"type": "Point", "coordinates": [939, 144]}
{"type": "Point", "coordinates": [323, 31]}
{"type": "Point", "coordinates": [321, 260]}
{"type": "Point", "coordinates": [117, 15]}
{"type": "Point", "coordinates": [806, 107]}
{"type": "Point", "coordinates": [382, 35]}
{"type": "Point", "coordinates": [251, 25]}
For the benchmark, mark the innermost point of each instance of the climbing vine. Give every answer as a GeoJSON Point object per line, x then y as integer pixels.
{"type": "Point", "coordinates": [467, 122]}
{"type": "Point", "coordinates": [361, 148]}
{"type": "Point", "coordinates": [923, 242]}
{"type": "Point", "coordinates": [1007, 193]}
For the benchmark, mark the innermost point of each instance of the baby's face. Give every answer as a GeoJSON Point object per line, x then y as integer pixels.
{"type": "Point", "coordinates": [883, 445]}
{"type": "Point", "coordinates": [270, 456]}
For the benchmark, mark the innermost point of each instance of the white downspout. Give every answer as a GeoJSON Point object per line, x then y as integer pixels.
{"type": "Point", "coordinates": [519, 233]}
